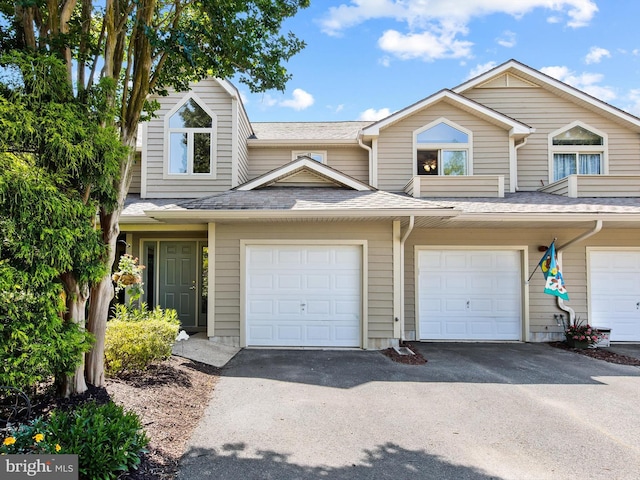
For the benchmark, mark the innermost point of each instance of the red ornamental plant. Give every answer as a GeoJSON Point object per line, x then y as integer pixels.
{"type": "Point", "coordinates": [582, 332]}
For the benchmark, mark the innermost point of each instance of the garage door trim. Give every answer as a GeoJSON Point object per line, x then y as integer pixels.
{"type": "Point", "coordinates": [590, 307]}
{"type": "Point", "coordinates": [524, 273]}
{"type": "Point", "coordinates": [364, 300]}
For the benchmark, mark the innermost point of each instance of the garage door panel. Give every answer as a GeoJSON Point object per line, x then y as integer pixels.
{"type": "Point", "coordinates": [315, 293]}
{"type": "Point", "coordinates": [614, 278]}
{"type": "Point", "coordinates": [476, 296]}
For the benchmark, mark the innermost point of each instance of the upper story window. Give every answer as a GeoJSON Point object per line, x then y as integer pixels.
{"type": "Point", "coordinates": [442, 148]}
{"type": "Point", "coordinates": [190, 139]}
{"type": "Point", "coordinates": [318, 156]}
{"type": "Point", "coordinates": [576, 149]}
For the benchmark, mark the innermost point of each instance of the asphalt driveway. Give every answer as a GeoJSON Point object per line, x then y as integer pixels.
{"type": "Point", "coordinates": [474, 411]}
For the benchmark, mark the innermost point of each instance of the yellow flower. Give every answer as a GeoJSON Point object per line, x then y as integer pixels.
{"type": "Point", "coordinates": [38, 437]}
{"type": "Point", "coordinates": [9, 441]}
{"type": "Point", "coordinates": [58, 447]}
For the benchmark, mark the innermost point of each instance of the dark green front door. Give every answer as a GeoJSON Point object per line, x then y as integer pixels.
{"type": "Point", "coordinates": [177, 286]}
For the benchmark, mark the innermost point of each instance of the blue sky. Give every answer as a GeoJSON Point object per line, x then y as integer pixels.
{"type": "Point", "coordinates": [366, 59]}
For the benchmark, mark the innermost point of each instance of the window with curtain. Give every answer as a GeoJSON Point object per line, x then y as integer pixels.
{"type": "Point", "coordinates": [577, 150]}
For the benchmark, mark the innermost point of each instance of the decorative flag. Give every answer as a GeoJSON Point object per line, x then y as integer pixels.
{"type": "Point", "coordinates": [549, 266]}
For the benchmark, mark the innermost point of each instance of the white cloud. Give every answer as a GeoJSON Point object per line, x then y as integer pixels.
{"type": "Point", "coordinates": [480, 69]}
{"type": "Point", "coordinates": [507, 40]}
{"type": "Point", "coordinates": [596, 54]}
{"type": "Point", "coordinates": [300, 101]}
{"type": "Point", "coordinates": [425, 45]}
{"type": "Point", "coordinates": [634, 108]}
{"type": "Point", "coordinates": [587, 82]}
{"type": "Point", "coordinates": [371, 114]}
{"type": "Point", "coordinates": [439, 25]}
{"type": "Point", "coordinates": [385, 61]}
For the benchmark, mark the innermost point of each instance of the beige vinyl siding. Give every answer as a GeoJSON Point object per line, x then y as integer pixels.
{"type": "Point", "coordinates": [380, 267]}
{"type": "Point", "coordinates": [542, 307]}
{"type": "Point", "coordinates": [490, 147]}
{"type": "Point", "coordinates": [350, 160]}
{"type": "Point", "coordinates": [456, 186]}
{"type": "Point", "coordinates": [136, 174]}
{"type": "Point", "coordinates": [244, 132]}
{"type": "Point", "coordinates": [218, 100]}
{"type": "Point", "coordinates": [610, 186]}
{"type": "Point", "coordinates": [547, 112]}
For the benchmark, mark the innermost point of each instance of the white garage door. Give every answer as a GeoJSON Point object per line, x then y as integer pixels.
{"type": "Point", "coordinates": [615, 293]}
{"type": "Point", "coordinates": [303, 296]}
{"type": "Point", "coordinates": [469, 295]}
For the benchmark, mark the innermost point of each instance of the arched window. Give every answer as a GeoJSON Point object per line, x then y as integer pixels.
{"type": "Point", "coordinates": [442, 148]}
{"type": "Point", "coordinates": [576, 149]}
{"type": "Point", "coordinates": [190, 139]}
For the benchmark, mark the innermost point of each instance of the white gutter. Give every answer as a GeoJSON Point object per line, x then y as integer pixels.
{"type": "Point", "coordinates": [596, 228]}
{"type": "Point", "coordinates": [514, 172]}
{"type": "Point", "coordinates": [402, 242]}
{"type": "Point", "coordinates": [370, 152]}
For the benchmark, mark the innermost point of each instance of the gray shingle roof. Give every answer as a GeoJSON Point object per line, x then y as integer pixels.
{"type": "Point", "coordinates": [538, 202]}
{"type": "Point", "coordinates": [307, 130]}
{"type": "Point", "coordinates": [297, 199]}
{"type": "Point", "coordinates": [135, 206]}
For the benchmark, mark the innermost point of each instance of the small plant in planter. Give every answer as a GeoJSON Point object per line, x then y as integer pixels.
{"type": "Point", "coordinates": [581, 334]}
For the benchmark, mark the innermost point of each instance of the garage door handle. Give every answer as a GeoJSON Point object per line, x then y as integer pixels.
{"type": "Point", "coordinates": [468, 303]}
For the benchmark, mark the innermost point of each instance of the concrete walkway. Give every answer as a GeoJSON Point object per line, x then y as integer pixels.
{"type": "Point", "coordinates": [474, 411]}
{"type": "Point", "coordinates": [198, 347]}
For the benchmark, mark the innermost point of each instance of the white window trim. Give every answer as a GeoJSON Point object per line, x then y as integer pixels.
{"type": "Point", "coordinates": [468, 147]}
{"type": "Point", "coordinates": [578, 149]}
{"type": "Point", "coordinates": [300, 153]}
{"type": "Point", "coordinates": [166, 174]}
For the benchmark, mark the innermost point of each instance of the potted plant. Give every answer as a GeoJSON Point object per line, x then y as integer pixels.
{"type": "Point", "coordinates": [581, 335]}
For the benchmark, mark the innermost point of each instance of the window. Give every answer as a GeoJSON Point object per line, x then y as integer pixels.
{"type": "Point", "coordinates": [576, 149]}
{"type": "Point", "coordinates": [191, 140]}
{"type": "Point", "coordinates": [317, 156]}
{"type": "Point", "coordinates": [442, 148]}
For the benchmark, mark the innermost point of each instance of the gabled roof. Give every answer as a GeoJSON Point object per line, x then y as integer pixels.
{"type": "Point", "coordinates": [305, 164]}
{"type": "Point", "coordinates": [299, 203]}
{"type": "Point", "coordinates": [532, 75]}
{"type": "Point", "coordinates": [516, 127]}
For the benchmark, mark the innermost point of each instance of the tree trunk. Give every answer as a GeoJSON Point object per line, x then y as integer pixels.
{"type": "Point", "coordinates": [101, 295]}
{"type": "Point", "coordinates": [77, 296]}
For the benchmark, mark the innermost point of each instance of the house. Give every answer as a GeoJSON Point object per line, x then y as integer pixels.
{"type": "Point", "coordinates": [425, 225]}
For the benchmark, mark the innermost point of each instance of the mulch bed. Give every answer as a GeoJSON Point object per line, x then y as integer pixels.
{"type": "Point", "coordinates": [416, 359]}
{"type": "Point", "coordinates": [600, 354]}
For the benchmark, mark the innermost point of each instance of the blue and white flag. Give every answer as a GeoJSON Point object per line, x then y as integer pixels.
{"type": "Point", "coordinates": [549, 266]}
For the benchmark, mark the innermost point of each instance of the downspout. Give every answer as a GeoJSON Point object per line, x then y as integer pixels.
{"type": "Point", "coordinates": [402, 242]}
{"type": "Point", "coordinates": [514, 176]}
{"type": "Point", "coordinates": [596, 228]}
{"type": "Point", "coordinates": [369, 150]}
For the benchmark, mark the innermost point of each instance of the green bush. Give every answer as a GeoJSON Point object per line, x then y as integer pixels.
{"type": "Point", "coordinates": [107, 440]}
{"type": "Point", "coordinates": [137, 338]}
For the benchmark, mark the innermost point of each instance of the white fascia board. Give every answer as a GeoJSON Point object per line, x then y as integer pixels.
{"type": "Point", "coordinates": [212, 215]}
{"type": "Point", "coordinates": [546, 79]}
{"type": "Point", "coordinates": [515, 126]}
{"type": "Point", "coordinates": [547, 217]}
{"type": "Point", "coordinates": [301, 164]}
